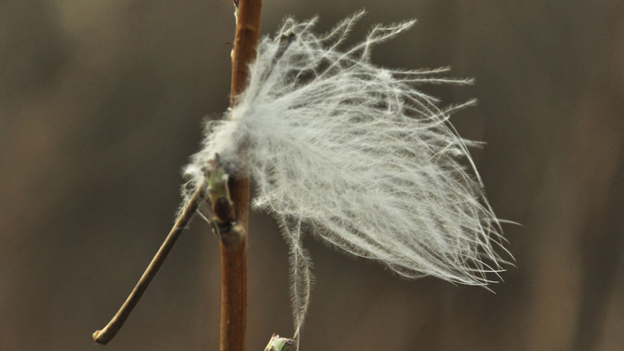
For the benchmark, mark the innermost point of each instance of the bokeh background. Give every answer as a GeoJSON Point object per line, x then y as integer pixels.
{"type": "Point", "coordinates": [101, 103]}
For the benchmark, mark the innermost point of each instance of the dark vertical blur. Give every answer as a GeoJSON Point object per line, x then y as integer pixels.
{"type": "Point", "coordinates": [101, 103]}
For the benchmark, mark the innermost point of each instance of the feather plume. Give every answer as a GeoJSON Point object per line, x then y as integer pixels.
{"type": "Point", "coordinates": [358, 156]}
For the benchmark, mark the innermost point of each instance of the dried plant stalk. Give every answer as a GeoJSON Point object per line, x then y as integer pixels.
{"type": "Point", "coordinates": [234, 252]}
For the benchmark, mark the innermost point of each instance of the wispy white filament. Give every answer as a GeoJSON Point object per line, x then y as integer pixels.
{"type": "Point", "coordinates": [358, 156]}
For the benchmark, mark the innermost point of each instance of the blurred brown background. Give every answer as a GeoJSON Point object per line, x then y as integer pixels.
{"type": "Point", "coordinates": [101, 103]}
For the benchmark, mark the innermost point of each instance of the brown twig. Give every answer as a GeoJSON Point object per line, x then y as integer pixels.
{"type": "Point", "coordinates": [108, 333]}
{"type": "Point", "coordinates": [234, 238]}
{"type": "Point", "coordinates": [234, 249]}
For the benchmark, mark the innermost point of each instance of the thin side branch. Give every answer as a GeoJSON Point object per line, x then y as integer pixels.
{"type": "Point", "coordinates": [108, 333]}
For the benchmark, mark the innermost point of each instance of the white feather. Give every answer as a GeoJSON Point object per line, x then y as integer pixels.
{"type": "Point", "coordinates": [358, 155]}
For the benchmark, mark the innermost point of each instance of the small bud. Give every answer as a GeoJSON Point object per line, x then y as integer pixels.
{"type": "Point", "coordinates": [280, 344]}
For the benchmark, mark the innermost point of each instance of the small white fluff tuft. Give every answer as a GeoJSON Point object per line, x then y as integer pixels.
{"type": "Point", "coordinates": [358, 156]}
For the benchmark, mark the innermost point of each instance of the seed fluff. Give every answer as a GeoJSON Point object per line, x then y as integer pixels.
{"type": "Point", "coordinates": [357, 156]}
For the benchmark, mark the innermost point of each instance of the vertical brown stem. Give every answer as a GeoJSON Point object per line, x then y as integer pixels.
{"type": "Point", "coordinates": [234, 252]}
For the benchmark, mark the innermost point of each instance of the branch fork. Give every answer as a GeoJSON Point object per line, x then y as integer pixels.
{"type": "Point", "coordinates": [229, 198]}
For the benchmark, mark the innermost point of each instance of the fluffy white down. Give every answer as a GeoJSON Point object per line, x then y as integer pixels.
{"type": "Point", "coordinates": [358, 156]}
